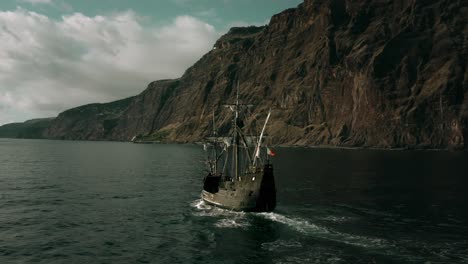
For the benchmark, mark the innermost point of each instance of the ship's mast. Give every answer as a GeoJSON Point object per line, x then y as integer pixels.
{"type": "Point", "coordinates": [215, 135]}
{"type": "Point", "coordinates": [236, 136]}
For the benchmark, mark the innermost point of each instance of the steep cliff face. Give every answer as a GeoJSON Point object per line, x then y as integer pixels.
{"type": "Point", "coordinates": [343, 73]}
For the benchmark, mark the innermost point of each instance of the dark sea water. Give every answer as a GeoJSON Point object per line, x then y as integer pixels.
{"type": "Point", "coordinates": [103, 202]}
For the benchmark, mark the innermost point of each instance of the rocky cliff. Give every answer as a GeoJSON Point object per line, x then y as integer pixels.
{"type": "Point", "coordinates": [32, 129]}
{"type": "Point", "coordinates": [371, 73]}
{"type": "Point", "coordinates": [88, 122]}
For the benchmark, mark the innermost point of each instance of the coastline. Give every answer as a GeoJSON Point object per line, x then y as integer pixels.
{"type": "Point", "coordinates": [319, 147]}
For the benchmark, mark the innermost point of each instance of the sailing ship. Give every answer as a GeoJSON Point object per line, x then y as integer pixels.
{"type": "Point", "coordinates": [240, 174]}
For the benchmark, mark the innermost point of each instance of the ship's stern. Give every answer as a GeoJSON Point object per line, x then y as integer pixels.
{"type": "Point", "coordinates": [266, 201]}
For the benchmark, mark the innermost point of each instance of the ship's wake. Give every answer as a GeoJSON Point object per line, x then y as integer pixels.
{"type": "Point", "coordinates": [229, 219]}
{"type": "Point", "coordinates": [200, 205]}
{"type": "Point", "coordinates": [232, 219]}
{"type": "Point", "coordinates": [306, 227]}
{"type": "Point", "coordinates": [401, 249]}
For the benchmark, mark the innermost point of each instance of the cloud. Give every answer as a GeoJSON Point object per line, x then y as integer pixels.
{"type": "Point", "coordinates": [35, 2]}
{"type": "Point", "coordinates": [47, 66]}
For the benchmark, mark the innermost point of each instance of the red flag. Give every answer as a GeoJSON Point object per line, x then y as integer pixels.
{"type": "Point", "coordinates": [270, 152]}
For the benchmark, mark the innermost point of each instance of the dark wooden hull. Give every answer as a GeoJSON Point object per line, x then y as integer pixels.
{"type": "Point", "coordinates": [254, 192]}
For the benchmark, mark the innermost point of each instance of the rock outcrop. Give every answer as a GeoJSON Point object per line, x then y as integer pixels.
{"type": "Point", "coordinates": [367, 73]}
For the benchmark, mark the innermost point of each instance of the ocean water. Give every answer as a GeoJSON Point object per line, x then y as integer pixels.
{"type": "Point", "coordinates": [105, 202]}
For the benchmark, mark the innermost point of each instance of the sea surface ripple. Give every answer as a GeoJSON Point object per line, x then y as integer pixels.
{"type": "Point", "coordinates": [105, 202]}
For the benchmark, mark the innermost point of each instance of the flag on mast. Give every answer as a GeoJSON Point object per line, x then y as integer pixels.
{"type": "Point", "coordinates": [270, 152]}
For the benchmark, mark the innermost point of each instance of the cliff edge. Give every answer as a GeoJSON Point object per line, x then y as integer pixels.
{"type": "Point", "coordinates": [354, 73]}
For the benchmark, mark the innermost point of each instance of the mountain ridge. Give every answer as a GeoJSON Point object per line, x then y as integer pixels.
{"type": "Point", "coordinates": [30, 129]}
{"type": "Point", "coordinates": [385, 74]}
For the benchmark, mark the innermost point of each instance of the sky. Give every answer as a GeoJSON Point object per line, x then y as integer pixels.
{"type": "Point", "coordinates": [59, 54]}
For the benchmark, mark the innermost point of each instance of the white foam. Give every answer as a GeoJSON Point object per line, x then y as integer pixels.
{"type": "Point", "coordinates": [229, 219]}
{"type": "Point", "coordinates": [232, 223]}
{"type": "Point", "coordinates": [232, 219]}
{"type": "Point", "coordinates": [200, 205]}
{"type": "Point", "coordinates": [305, 227]}
{"type": "Point", "coordinates": [297, 224]}
{"type": "Point", "coordinates": [337, 219]}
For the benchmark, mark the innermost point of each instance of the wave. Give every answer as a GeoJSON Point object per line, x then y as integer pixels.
{"type": "Point", "coordinates": [280, 244]}
{"type": "Point", "coordinates": [308, 228]}
{"type": "Point", "coordinates": [232, 219]}
{"type": "Point", "coordinates": [200, 205]}
{"type": "Point", "coordinates": [337, 219]}
{"type": "Point", "coordinates": [229, 219]}
{"type": "Point", "coordinates": [324, 228]}
{"type": "Point", "coordinates": [294, 252]}
{"type": "Point", "coordinates": [303, 226]}
{"type": "Point", "coordinates": [232, 223]}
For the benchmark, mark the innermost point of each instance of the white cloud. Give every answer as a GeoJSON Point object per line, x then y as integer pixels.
{"type": "Point", "coordinates": [47, 66]}
{"type": "Point", "coordinates": [35, 2]}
